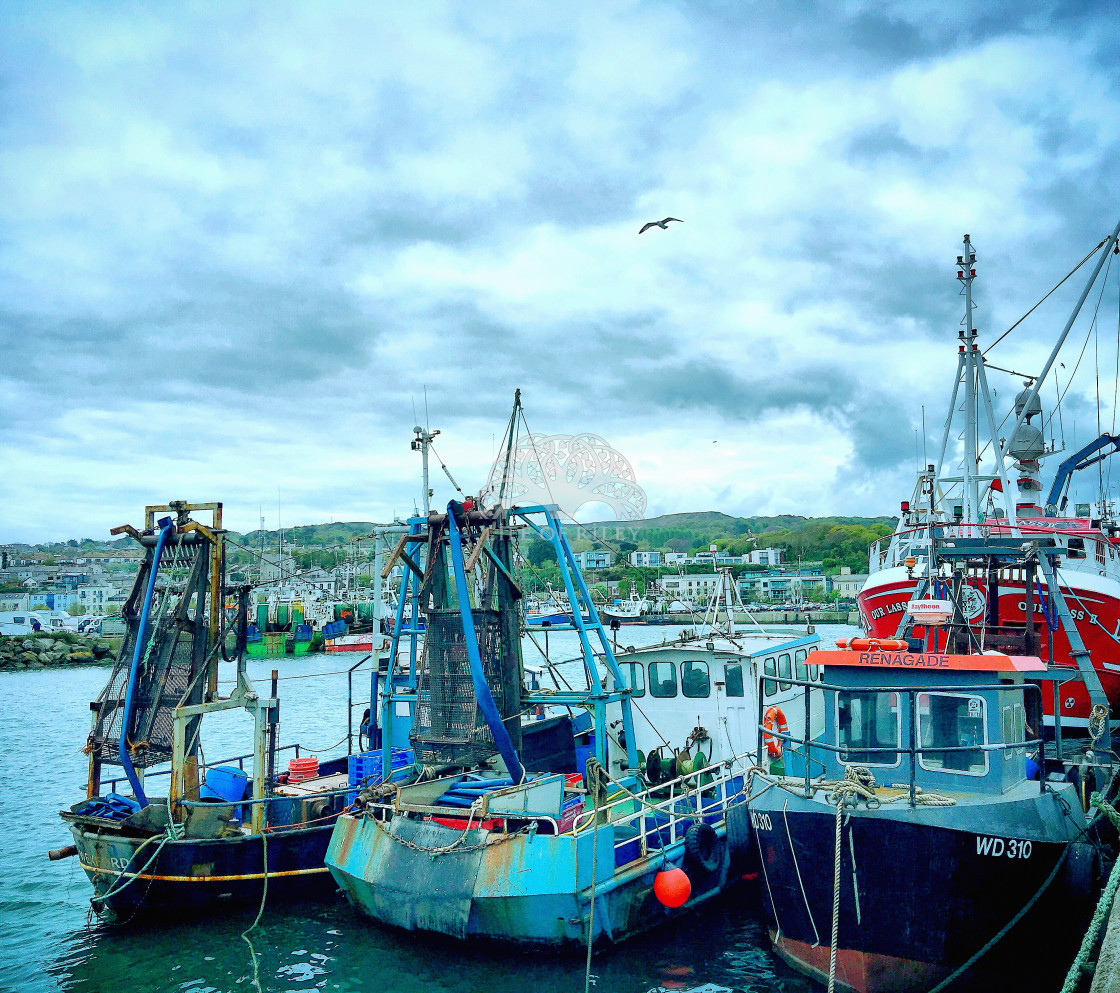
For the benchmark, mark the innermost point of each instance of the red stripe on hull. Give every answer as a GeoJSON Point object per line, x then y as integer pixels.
{"type": "Point", "coordinates": [858, 972]}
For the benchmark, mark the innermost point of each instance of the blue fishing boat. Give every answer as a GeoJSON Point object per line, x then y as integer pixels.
{"type": "Point", "coordinates": [931, 815]}
{"type": "Point", "coordinates": [529, 816]}
{"type": "Point", "coordinates": [170, 834]}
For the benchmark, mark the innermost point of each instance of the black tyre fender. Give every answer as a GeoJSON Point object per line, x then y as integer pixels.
{"type": "Point", "coordinates": [1082, 870]}
{"type": "Point", "coordinates": [703, 847]}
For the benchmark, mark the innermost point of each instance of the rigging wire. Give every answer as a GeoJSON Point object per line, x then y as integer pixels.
{"type": "Point", "coordinates": [1043, 300]}
{"type": "Point", "coordinates": [1069, 382]}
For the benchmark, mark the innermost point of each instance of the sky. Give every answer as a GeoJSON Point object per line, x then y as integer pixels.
{"type": "Point", "coordinates": [245, 247]}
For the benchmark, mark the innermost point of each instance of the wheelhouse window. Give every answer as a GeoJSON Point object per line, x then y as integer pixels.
{"type": "Point", "coordinates": [637, 679]}
{"type": "Point", "coordinates": [785, 670]}
{"type": "Point", "coordinates": [954, 721]}
{"type": "Point", "coordinates": [769, 687]}
{"type": "Point", "coordinates": [662, 680]}
{"type": "Point", "coordinates": [1014, 729]}
{"type": "Point", "coordinates": [864, 721]}
{"type": "Point", "coordinates": [733, 678]}
{"type": "Point", "coordinates": [800, 669]}
{"type": "Point", "coordinates": [695, 682]}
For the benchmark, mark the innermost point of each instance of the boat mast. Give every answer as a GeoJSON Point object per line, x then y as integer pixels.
{"type": "Point", "coordinates": [966, 274]}
{"type": "Point", "coordinates": [421, 443]}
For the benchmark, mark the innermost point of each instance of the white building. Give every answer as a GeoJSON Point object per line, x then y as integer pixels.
{"type": "Point", "coordinates": [595, 559]}
{"type": "Point", "coordinates": [14, 601]}
{"type": "Point", "coordinates": [696, 589]}
{"type": "Point", "coordinates": [645, 559]}
{"type": "Point", "coordinates": [766, 556]}
{"type": "Point", "coordinates": [95, 598]}
{"type": "Point", "coordinates": [275, 567]}
{"type": "Point", "coordinates": [848, 583]}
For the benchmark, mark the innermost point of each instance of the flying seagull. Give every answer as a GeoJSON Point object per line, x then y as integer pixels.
{"type": "Point", "coordinates": [664, 225]}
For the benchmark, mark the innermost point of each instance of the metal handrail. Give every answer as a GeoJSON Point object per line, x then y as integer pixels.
{"type": "Point", "coordinates": [668, 806]}
{"type": "Point", "coordinates": [239, 759]}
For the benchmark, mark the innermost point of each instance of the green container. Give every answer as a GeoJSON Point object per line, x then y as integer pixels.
{"type": "Point", "coordinates": [282, 615]}
{"type": "Point", "coordinates": [262, 616]}
{"type": "Point", "coordinates": [297, 615]}
{"type": "Point", "coordinates": [365, 610]}
{"type": "Point", "coordinates": [341, 609]}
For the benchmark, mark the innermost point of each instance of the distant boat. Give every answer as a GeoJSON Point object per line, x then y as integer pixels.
{"type": "Point", "coordinates": [627, 611]}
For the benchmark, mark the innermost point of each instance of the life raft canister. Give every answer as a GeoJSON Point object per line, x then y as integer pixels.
{"type": "Point", "coordinates": [773, 723]}
{"type": "Point", "coordinates": [877, 644]}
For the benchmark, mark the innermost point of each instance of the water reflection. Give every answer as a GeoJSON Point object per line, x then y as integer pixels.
{"type": "Point", "coordinates": [327, 947]}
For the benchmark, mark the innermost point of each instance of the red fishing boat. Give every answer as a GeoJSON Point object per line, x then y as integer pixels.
{"type": "Point", "coordinates": [990, 488]}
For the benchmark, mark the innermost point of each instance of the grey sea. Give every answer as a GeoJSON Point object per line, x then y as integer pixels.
{"type": "Point", "coordinates": [50, 941]}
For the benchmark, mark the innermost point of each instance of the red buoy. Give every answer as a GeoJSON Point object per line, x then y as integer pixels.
{"type": "Point", "coordinates": [672, 887]}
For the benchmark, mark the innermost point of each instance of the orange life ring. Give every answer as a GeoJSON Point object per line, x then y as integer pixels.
{"type": "Point", "coordinates": [774, 722]}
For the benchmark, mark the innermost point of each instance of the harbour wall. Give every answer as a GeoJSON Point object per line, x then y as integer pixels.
{"type": "Point", "coordinates": [53, 651]}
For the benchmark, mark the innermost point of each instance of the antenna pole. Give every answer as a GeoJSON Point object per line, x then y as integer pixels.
{"type": "Point", "coordinates": [421, 443]}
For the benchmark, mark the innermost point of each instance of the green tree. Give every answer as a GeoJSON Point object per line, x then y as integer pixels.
{"type": "Point", "coordinates": [76, 610]}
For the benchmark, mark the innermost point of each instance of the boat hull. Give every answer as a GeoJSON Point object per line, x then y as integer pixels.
{"type": "Point", "coordinates": [194, 876]}
{"type": "Point", "coordinates": [905, 927]}
{"type": "Point", "coordinates": [882, 604]}
{"type": "Point", "coordinates": [526, 888]}
{"type": "Point", "coordinates": [351, 643]}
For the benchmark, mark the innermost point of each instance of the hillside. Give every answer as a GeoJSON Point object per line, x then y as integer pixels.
{"type": "Point", "coordinates": [834, 541]}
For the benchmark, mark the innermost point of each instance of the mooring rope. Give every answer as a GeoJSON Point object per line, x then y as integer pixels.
{"type": "Point", "coordinates": [260, 912]}
{"type": "Point", "coordinates": [1103, 908]}
{"type": "Point", "coordinates": [595, 774]}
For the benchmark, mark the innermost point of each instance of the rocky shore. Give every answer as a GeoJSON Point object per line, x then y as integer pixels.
{"type": "Point", "coordinates": [54, 651]}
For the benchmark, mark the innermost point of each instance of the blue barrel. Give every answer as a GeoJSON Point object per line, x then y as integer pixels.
{"type": "Point", "coordinates": [225, 782]}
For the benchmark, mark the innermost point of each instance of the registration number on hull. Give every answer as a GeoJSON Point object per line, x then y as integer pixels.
{"type": "Point", "coordinates": [1011, 848]}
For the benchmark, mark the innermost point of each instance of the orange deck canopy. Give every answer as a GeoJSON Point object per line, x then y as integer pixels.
{"type": "Point", "coordinates": [884, 659]}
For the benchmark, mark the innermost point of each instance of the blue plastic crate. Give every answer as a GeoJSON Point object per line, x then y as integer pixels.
{"type": "Point", "coordinates": [366, 764]}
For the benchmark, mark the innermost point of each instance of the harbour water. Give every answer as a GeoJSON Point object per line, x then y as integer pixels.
{"type": "Point", "coordinates": [48, 940]}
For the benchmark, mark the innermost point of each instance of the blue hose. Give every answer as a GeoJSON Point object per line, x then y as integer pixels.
{"type": "Point", "coordinates": [481, 690]}
{"type": "Point", "coordinates": [166, 527]}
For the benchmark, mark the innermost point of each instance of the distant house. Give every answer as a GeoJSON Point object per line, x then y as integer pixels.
{"type": "Point", "coordinates": [766, 556]}
{"type": "Point", "coordinates": [777, 585]}
{"type": "Point", "coordinates": [695, 589]}
{"type": "Point", "coordinates": [274, 567]}
{"type": "Point", "coordinates": [588, 561]}
{"type": "Point", "coordinates": [848, 583]}
{"type": "Point", "coordinates": [14, 601]}
{"type": "Point", "coordinates": [645, 559]}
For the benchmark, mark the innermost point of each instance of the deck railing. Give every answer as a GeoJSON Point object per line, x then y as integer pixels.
{"type": "Point", "coordinates": [665, 812]}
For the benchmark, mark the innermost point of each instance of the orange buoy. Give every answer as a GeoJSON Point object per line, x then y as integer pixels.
{"type": "Point", "coordinates": [841, 642]}
{"type": "Point", "coordinates": [774, 723]}
{"type": "Point", "coordinates": [672, 887]}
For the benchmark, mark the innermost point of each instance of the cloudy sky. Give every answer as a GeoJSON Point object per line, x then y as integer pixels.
{"type": "Point", "coordinates": [239, 241]}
